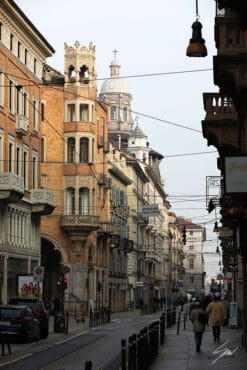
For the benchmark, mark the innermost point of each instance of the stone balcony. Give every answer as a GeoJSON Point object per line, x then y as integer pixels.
{"type": "Point", "coordinates": [11, 187]}
{"type": "Point", "coordinates": [220, 123]}
{"type": "Point", "coordinates": [219, 107]}
{"type": "Point", "coordinates": [80, 224]}
{"type": "Point", "coordinates": [43, 201]}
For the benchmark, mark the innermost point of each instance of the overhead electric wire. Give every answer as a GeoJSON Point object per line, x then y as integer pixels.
{"type": "Point", "coordinates": [130, 110]}
{"type": "Point", "coordinates": [149, 116]}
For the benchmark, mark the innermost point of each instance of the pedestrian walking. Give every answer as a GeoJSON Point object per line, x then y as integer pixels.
{"type": "Point", "coordinates": [198, 317]}
{"type": "Point", "coordinates": [217, 312]}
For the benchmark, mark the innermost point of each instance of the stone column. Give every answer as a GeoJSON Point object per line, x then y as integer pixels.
{"type": "Point", "coordinates": [5, 279]}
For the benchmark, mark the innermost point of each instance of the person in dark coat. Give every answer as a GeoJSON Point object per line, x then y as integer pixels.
{"type": "Point", "coordinates": [198, 327]}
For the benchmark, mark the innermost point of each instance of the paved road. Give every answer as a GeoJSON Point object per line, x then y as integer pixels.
{"type": "Point", "coordinates": [98, 344]}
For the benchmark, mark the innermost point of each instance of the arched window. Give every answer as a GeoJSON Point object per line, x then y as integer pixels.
{"type": "Point", "coordinates": [71, 72]}
{"type": "Point", "coordinates": [84, 150]}
{"type": "Point", "coordinates": [71, 149]}
{"type": "Point", "coordinates": [70, 201]}
{"type": "Point", "coordinates": [83, 201]}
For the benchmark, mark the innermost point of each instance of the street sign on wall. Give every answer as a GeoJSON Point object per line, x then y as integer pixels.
{"type": "Point", "coordinates": [38, 274]}
{"type": "Point", "coordinates": [236, 174]}
{"type": "Point", "coordinates": [139, 283]}
{"type": "Point", "coordinates": [150, 210]}
{"type": "Point", "coordinates": [212, 188]}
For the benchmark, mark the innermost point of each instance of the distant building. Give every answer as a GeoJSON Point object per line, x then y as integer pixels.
{"type": "Point", "coordinates": [193, 278]}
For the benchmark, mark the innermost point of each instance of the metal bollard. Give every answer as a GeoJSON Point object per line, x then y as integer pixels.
{"type": "Point", "coordinates": [88, 365]}
{"type": "Point", "coordinates": [123, 354]}
{"type": "Point", "coordinates": [178, 326]}
{"type": "Point", "coordinates": [67, 324]}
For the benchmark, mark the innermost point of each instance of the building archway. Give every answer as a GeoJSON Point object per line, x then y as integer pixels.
{"type": "Point", "coordinates": [51, 259]}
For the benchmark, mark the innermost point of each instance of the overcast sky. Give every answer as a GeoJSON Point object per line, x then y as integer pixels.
{"type": "Point", "coordinates": [151, 39]}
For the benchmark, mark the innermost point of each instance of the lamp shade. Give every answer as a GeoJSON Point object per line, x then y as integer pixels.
{"type": "Point", "coordinates": [196, 47]}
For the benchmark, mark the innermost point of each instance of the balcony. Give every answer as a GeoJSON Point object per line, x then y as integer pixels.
{"type": "Point", "coordinates": [11, 187]}
{"type": "Point", "coordinates": [141, 220]}
{"type": "Point", "coordinates": [220, 122]}
{"type": "Point", "coordinates": [21, 125]}
{"type": "Point", "coordinates": [80, 224]}
{"type": "Point", "coordinates": [107, 229]}
{"type": "Point", "coordinates": [43, 201]}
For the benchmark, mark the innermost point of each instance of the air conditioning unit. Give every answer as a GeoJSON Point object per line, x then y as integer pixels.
{"type": "Point", "coordinates": [21, 125]}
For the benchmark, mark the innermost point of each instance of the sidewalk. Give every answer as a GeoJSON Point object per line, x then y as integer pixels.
{"type": "Point", "coordinates": [20, 350]}
{"type": "Point", "coordinates": [179, 351]}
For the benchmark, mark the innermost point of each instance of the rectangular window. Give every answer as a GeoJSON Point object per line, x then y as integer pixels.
{"type": "Point", "coordinates": [71, 150]}
{"type": "Point", "coordinates": [25, 104]}
{"type": "Point", "coordinates": [11, 42]}
{"type": "Point", "coordinates": [11, 157]}
{"type": "Point", "coordinates": [71, 113]}
{"type": "Point", "coordinates": [191, 263]}
{"type": "Point", "coordinates": [42, 153]}
{"type": "Point", "coordinates": [26, 57]}
{"type": "Point", "coordinates": [191, 232]}
{"type": "Point", "coordinates": [35, 66]}
{"type": "Point", "coordinates": [191, 247]}
{"type": "Point", "coordinates": [18, 160]}
{"type": "Point", "coordinates": [35, 115]}
{"type": "Point", "coordinates": [34, 172]}
{"type": "Point", "coordinates": [1, 30]}
{"type": "Point", "coordinates": [11, 96]}
{"type": "Point", "coordinates": [84, 113]}
{"type": "Point", "coordinates": [42, 111]}
{"type": "Point", "coordinates": [1, 88]}
{"type": "Point", "coordinates": [25, 169]}
{"type": "Point", "coordinates": [18, 49]}
{"type": "Point", "coordinates": [18, 101]}
{"type": "Point", "coordinates": [125, 114]}
{"type": "Point", "coordinates": [113, 113]}
{"type": "Point", "coordinates": [191, 279]}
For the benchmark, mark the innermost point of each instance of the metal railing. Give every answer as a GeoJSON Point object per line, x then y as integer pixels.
{"type": "Point", "coordinates": [140, 350]}
{"type": "Point", "coordinates": [143, 347]}
{"type": "Point", "coordinates": [99, 317]}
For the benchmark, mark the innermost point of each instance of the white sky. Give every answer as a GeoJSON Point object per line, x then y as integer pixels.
{"type": "Point", "coordinates": [151, 38]}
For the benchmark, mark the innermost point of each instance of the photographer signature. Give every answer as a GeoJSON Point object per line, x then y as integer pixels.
{"type": "Point", "coordinates": [223, 352]}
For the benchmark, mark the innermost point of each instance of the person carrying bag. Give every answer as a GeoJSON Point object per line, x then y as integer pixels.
{"type": "Point", "coordinates": [198, 317]}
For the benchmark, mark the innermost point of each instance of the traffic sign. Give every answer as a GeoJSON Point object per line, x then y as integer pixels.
{"type": "Point", "coordinates": [38, 274]}
{"type": "Point", "coordinates": [220, 277]}
{"type": "Point", "coordinates": [229, 275]}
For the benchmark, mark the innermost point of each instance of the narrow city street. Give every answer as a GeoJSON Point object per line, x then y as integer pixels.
{"type": "Point", "coordinates": [59, 351]}
{"type": "Point", "coordinates": [99, 345]}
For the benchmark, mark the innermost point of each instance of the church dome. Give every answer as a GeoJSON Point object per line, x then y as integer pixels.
{"type": "Point", "coordinates": [115, 84]}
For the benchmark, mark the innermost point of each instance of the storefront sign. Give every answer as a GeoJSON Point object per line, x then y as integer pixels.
{"type": "Point", "coordinates": [236, 174]}
{"type": "Point", "coordinates": [150, 210]}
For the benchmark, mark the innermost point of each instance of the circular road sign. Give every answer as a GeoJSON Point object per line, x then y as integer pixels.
{"type": "Point", "coordinates": [229, 275]}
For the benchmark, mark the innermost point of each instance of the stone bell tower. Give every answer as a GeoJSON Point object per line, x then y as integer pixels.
{"type": "Point", "coordinates": [79, 69]}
